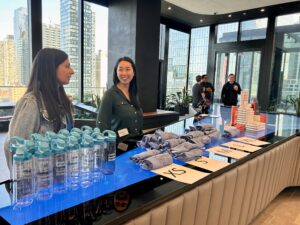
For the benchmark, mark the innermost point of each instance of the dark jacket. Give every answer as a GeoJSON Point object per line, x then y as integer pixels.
{"type": "Point", "coordinates": [229, 95]}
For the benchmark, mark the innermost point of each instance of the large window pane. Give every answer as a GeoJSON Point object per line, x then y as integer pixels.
{"type": "Point", "coordinates": [177, 61]}
{"type": "Point", "coordinates": [95, 20]}
{"type": "Point", "coordinates": [61, 30]}
{"type": "Point", "coordinates": [14, 50]}
{"type": "Point", "coordinates": [289, 19]}
{"type": "Point", "coordinates": [162, 40]}
{"type": "Point", "coordinates": [227, 32]}
{"type": "Point", "coordinates": [254, 29]}
{"type": "Point", "coordinates": [198, 54]}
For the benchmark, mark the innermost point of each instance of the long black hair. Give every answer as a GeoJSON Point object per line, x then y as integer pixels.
{"type": "Point", "coordinates": [43, 83]}
{"type": "Point", "coordinates": [133, 90]}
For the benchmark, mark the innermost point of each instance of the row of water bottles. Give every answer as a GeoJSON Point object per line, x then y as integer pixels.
{"type": "Point", "coordinates": [59, 161]}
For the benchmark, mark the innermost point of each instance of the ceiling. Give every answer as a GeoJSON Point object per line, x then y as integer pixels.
{"type": "Point", "coordinates": [216, 7]}
{"type": "Point", "coordinates": [196, 13]}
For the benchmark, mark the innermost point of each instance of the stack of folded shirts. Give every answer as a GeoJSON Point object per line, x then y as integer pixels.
{"type": "Point", "coordinates": [231, 131]}
{"type": "Point", "coordinates": [186, 151]}
{"type": "Point", "coordinates": [157, 161]}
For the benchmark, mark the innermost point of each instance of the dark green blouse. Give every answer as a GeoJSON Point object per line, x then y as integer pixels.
{"type": "Point", "coordinates": [117, 113]}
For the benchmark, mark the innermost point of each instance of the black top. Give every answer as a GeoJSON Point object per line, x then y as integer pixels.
{"type": "Point", "coordinates": [229, 95]}
{"type": "Point", "coordinates": [196, 94]}
{"type": "Point", "coordinates": [203, 88]}
{"type": "Point", "coordinates": [116, 113]}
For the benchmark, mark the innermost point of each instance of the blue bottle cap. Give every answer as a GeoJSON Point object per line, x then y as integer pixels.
{"type": "Point", "coordinates": [110, 136]}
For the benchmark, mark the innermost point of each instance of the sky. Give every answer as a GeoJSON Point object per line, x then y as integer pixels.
{"type": "Point", "coordinates": [51, 13]}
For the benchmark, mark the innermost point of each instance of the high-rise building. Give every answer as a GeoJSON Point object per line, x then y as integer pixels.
{"type": "Point", "coordinates": [69, 40]}
{"type": "Point", "coordinates": [51, 36]}
{"type": "Point", "coordinates": [8, 69]}
{"type": "Point", "coordinates": [22, 43]}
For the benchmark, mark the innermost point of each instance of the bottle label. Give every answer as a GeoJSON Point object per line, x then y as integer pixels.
{"type": "Point", "coordinates": [73, 163]}
{"type": "Point", "coordinates": [87, 159]}
{"type": "Point", "coordinates": [43, 172]}
{"type": "Point", "coordinates": [59, 165]}
{"type": "Point", "coordinates": [111, 152]}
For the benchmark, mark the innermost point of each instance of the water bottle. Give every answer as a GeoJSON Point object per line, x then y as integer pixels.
{"type": "Point", "coordinates": [86, 160]}
{"type": "Point", "coordinates": [109, 152]}
{"type": "Point", "coordinates": [73, 163]}
{"type": "Point", "coordinates": [98, 154]}
{"type": "Point", "coordinates": [87, 130]}
{"type": "Point", "coordinates": [77, 130]}
{"type": "Point", "coordinates": [64, 132]}
{"type": "Point", "coordinates": [97, 130]}
{"type": "Point", "coordinates": [30, 146]}
{"type": "Point", "coordinates": [50, 135]}
{"type": "Point", "coordinates": [14, 142]}
{"type": "Point", "coordinates": [59, 165]}
{"type": "Point", "coordinates": [22, 177]}
{"type": "Point", "coordinates": [43, 168]}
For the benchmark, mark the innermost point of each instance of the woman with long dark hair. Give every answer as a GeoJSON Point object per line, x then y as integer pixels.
{"type": "Point", "coordinates": [120, 109]}
{"type": "Point", "coordinates": [45, 105]}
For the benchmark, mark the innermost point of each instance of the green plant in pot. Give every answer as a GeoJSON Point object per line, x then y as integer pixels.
{"type": "Point", "coordinates": [179, 102]}
{"type": "Point", "coordinates": [295, 101]}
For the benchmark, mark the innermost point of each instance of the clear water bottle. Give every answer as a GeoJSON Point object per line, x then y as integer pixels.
{"type": "Point", "coordinates": [73, 165]}
{"type": "Point", "coordinates": [98, 154]}
{"type": "Point", "coordinates": [43, 168]}
{"type": "Point", "coordinates": [30, 146]}
{"type": "Point", "coordinates": [87, 130]}
{"type": "Point", "coordinates": [86, 160]}
{"type": "Point", "coordinates": [77, 130]}
{"type": "Point", "coordinates": [59, 165]}
{"type": "Point", "coordinates": [96, 130]}
{"type": "Point", "coordinates": [64, 132]}
{"type": "Point", "coordinates": [50, 135]}
{"type": "Point", "coordinates": [22, 177]}
{"type": "Point", "coordinates": [14, 142]}
{"type": "Point", "coordinates": [109, 152]}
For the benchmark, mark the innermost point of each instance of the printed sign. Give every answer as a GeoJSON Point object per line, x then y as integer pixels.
{"type": "Point", "coordinates": [227, 152]}
{"type": "Point", "coordinates": [180, 173]}
{"type": "Point", "coordinates": [251, 141]}
{"type": "Point", "coordinates": [123, 132]}
{"type": "Point", "coordinates": [241, 146]}
{"type": "Point", "coordinates": [208, 164]}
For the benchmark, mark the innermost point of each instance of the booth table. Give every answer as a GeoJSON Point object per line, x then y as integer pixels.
{"type": "Point", "coordinates": [235, 194]}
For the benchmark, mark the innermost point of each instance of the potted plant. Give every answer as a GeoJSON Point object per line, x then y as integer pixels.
{"type": "Point", "coordinates": [295, 101]}
{"type": "Point", "coordinates": [179, 102]}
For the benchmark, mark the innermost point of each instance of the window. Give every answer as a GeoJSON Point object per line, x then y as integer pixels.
{"type": "Point", "coordinates": [198, 54]}
{"type": "Point", "coordinates": [177, 61]}
{"type": "Point", "coordinates": [14, 50]}
{"type": "Point", "coordinates": [162, 37]}
{"type": "Point", "coordinates": [254, 29]}
{"type": "Point", "coordinates": [95, 20]}
{"type": "Point", "coordinates": [227, 32]}
{"type": "Point", "coordinates": [290, 19]}
{"type": "Point", "coordinates": [60, 26]}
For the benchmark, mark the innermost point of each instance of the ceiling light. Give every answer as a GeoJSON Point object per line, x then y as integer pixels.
{"type": "Point", "coordinates": [262, 10]}
{"type": "Point", "coordinates": [244, 13]}
{"type": "Point", "coordinates": [201, 20]}
{"type": "Point", "coordinates": [229, 15]}
{"type": "Point", "coordinates": [169, 8]}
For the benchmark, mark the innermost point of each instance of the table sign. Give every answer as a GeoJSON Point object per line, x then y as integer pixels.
{"type": "Point", "coordinates": [227, 152]}
{"type": "Point", "coordinates": [208, 164]}
{"type": "Point", "coordinates": [241, 146]}
{"type": "Point", "coordinates": [180, 173]}
{"type": "Point", "coordinates": [251, 141]}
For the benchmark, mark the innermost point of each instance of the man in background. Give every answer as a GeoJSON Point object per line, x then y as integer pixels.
{"type": "Point", "coordinates": [230, 91]}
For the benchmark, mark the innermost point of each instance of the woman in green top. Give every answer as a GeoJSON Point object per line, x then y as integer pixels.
{"type": "Point", "coordinates": [120, 109]}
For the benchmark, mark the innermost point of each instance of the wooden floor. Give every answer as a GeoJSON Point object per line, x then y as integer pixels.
{"type": "Point", "coordinates": [283, 210]}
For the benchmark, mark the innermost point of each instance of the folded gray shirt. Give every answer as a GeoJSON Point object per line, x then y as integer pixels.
{"type": "Point", "coordinates": [190, 155]}
{"type": "Point", "coordinates": [184, 147]}
{"type": "Point", "coordinates": [157, 161]}
{"type": "Point", "coordinates": [137, 158]}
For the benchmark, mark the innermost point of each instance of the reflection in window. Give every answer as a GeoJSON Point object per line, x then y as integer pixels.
{"type": "Point", "coordinates": [290, 19]}
{"type": "Point", "coordinates": [95, 20]}
{"type": "Point", "coordinates": [162, 37]}
{"type": "Point", "coordinates": [60, 30]}
{"type": "Point", "coordinates": [14, 50]}
{"type": "Point", "coordinates": [198, 54]}
{"type": "Point", "coordinates": [286, 72]}
{"type": "Point", "coordinates": [177, 61]}
{"type": "Point", "coordinates": [254, 29]}
{"type": "Point", "coordinates": [227, 32]}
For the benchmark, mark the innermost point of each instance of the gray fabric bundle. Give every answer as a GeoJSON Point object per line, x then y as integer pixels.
{"type": "Point", "coordinates": [231, 131]}
{"type": "Point", "coordinates": [195, 134]}
{"type": "Point", "coordinates": [165, 135]}
{"type": "Point", "coordinates": [137, 158]}
{"type": "Point", "coordinates": [201, 141]}
{"type": "Point", "coordinates": [157, 161]}
{"type": "Point", "coordinates": [214, 135]}
{"type": "Point", "coordinates": [173, 142]}
{"type": "Point", "coordinates": [190, 155]}
{"type": "Point", "coordinates": [184, 147]}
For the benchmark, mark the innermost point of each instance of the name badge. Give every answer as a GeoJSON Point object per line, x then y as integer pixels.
{"type": "Point", "coordinates": [123, 132]}
{"type": "Point", "coordinates": [122, 146]}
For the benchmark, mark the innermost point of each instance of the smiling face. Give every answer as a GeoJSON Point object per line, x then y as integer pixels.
{"type": "Point", "coordinates": [64, 72]}
{"type": "Point", "coordinates": [125, 72]}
